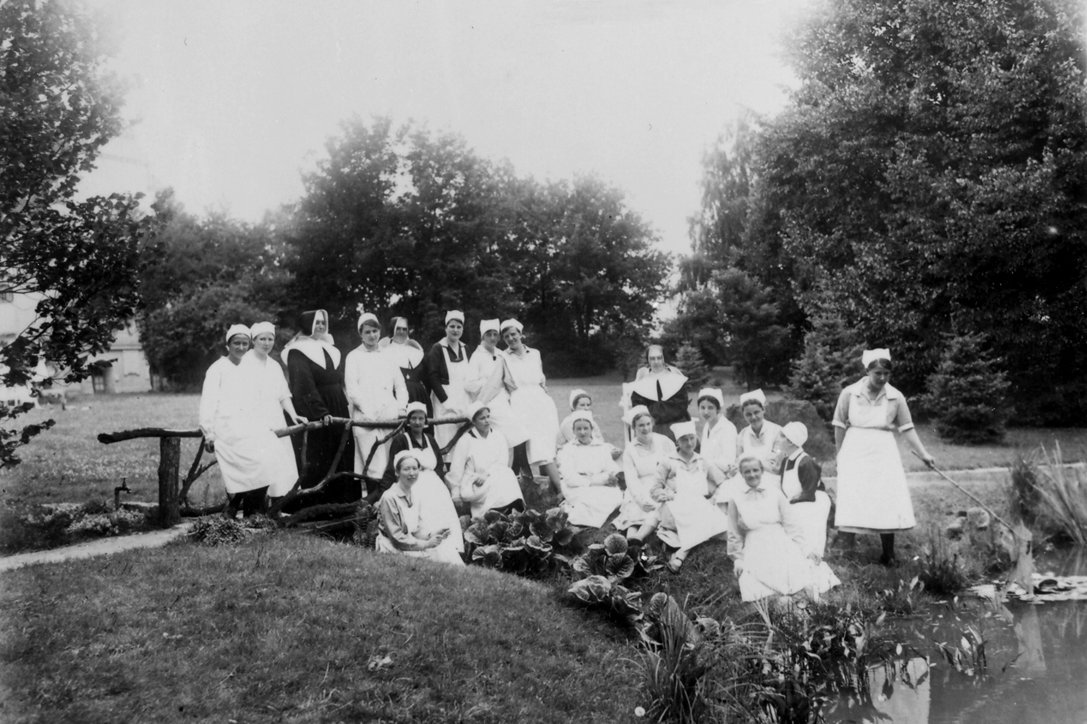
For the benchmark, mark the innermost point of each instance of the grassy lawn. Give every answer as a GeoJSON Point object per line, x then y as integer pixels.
{"type": "Point", "coordinates": [68, 464]}
{"type": "Point", "coordinates": [293, 628]}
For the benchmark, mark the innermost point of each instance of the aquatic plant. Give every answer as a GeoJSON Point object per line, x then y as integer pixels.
{"type": "Point", "coordinates": [1062, 496]}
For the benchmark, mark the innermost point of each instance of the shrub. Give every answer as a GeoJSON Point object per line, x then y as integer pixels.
{"type": "Point", "coordinates": [521, 542]}
{"type": "Point", "coordinates": [940, 570]}
{"type": "Point", "coordinates": [831, 359]}
{"type": "Point", "coordinates": [967, 394]}
{"type": "Point", "coordinates": [1062, 497]}
{"type": "Point", "coordinates": [690, 361]}
{"type": "Point", "coordinates": [214, 530]}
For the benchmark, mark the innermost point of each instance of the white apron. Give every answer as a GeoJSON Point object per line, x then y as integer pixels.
{"type": "Point", "coordinates": [456, 402]}
{"type": "Point", "coordinates": [697, 519]}
{"type": "Point", "coordinates": [810, 517]}
{"type": "Point", "coordinates": [872, 492]}
{"type": "Point", "coordinates": [436, 509]}
{"type": "Point", "coordinates": [533, 407]}
{"type": "Point", "coordinates": [443, 552]}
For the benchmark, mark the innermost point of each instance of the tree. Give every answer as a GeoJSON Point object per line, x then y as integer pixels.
{"type": "Point", "coordinates": [199, 276]}
{"type": "Point", "coordinates": [58, 107]}
{"type": "Point", "coordinates": [932, 167]}
{"type": "Point", "coordinates": [831, 360]}
{"type": "Point", "coordinates": [401, 221]}
{"type": "Point", "coordinates": [967, 394]}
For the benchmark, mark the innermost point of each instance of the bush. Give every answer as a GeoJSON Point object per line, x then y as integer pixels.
{"type": "Point", "coordinates": [967, 394]}
{"type": "Point", "coordinates": [831, 360]}
{"type": "Point", "coordinates": [690, 361]}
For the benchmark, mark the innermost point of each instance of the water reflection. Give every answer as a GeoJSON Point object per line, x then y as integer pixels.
{"type": "Point", "coordinates": [1036, 673]}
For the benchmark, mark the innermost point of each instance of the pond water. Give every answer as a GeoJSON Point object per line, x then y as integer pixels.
{"type": "Point", "coordinates": [1036, 665]}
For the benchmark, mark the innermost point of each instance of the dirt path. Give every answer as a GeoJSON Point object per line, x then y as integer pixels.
{"type": "Point", "coordinates": [101, 547]}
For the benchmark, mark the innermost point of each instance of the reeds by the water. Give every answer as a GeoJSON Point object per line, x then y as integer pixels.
{"type": "Point", "coordinates": [1062, 495]}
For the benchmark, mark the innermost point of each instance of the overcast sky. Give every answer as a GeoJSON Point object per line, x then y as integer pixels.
{"type": "Point", "coordinates": [230, 100]}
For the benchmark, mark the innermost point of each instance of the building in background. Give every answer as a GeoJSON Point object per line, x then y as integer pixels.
{"type": "Point", "coordinates": [121, 368]}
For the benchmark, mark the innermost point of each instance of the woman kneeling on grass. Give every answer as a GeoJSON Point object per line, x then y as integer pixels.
{"type": "Point", "coordinates": [399, 527]}
{"type": "Point", "coordinates": [480, 474]}
{"type": "Point", "coordinates": [766, 546]}
{"type": "Point", "coordinates": [687, 516]}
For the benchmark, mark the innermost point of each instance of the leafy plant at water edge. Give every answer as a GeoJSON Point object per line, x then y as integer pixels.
{"type": "Point", "coordinates": [1062, 496]}
{"type": "Point", "coordinates": [940, 570]}
{"type": "Point", "coordinates": [521, 542]}
{"type": "Point", "coordinates": [967, 656]}
{"type": "Point", "coordinates": [678, 652]}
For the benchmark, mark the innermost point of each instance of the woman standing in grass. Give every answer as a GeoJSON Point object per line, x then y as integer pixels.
{"type": "Point", "coordinates": [408, 356]}
{"type": "Point", "coordinates": [873, 496]}
{"type": "Point", "coordinates": [376, 391]}
{"type": "Point", "coordinates": [760, 435]}
{"type": "Point", "coordinates": [231, 429]}
{"type": "Point", "coordinates": [315, 376]}
{"type": "Point", "coordinates": [480, 474]}
{"type": "Point", "coordinates": [447, 374]}
{"type": "Point", "coordinates": [401, 528]}
{"type": "Point", "coordinates": [273, 399]}
{"type": "Point", "coordinates": [489, 383]}
{"type": "Point", "coordinates": [436, 509]}
{"type": "Point", "coordinates": [531, 404]}
{"type": "Point", "coordinates": [641, 458]}
{"type": "Point", "coordinates": [766, 547]}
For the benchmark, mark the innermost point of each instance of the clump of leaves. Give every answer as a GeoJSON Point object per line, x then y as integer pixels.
{"type": "Point", "coordinates": [616, 560]}
{"type": "Point", "coordinates": [216, 530]}
{"type": "Point", "coordinates": [900, 598]}
{"type": "Point", "coordinates": [967, 656]}
{"type": "Point", "coordinates": [524, 543]}
{"type": "Point", "coordinates": [678, 651]}
{"type": "Point", "coordinates": [602, 592]}
{"type": "Point", "coordinates": [940, 569]}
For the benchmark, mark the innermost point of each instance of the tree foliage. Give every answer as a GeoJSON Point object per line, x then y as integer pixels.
{"type": "Point", "coordinates": [199, 276]}
{"type": "Point", "coordinates": [399, 220]}
{"type": "Point", "coordinates": [967, 394]}
{"type": "Point", "coordinates": [930, 174]}
{"type": "Point", "coordinates": [58, 107]}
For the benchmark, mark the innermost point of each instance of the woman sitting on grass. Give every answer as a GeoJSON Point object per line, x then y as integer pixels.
{"type": "Point", "coordinates": [590, 477]}
{"type": "Point", "coordinates": [436, 505]}
{"type": "Point", "coordinates": [760, 436]}
{"type": "Point", "coordinates": [400, 528]}
{"type": "Point", "coordinates": [687, 516]}
{"type": "Point", "coordinates": [480, 474]}
{"type": "Point", "coordinates": [801, 481]}
{"type": "Point", "coordinates": [641, 458]}
{"type": "Point", "coordinates": [766, 546]}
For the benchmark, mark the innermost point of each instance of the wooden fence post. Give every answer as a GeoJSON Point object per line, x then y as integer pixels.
{"type": "Point", "coordinates": [169, 462]}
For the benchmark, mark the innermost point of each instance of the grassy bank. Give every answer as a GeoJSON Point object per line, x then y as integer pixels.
{"type": "Point", "coordinates": [299, 629]}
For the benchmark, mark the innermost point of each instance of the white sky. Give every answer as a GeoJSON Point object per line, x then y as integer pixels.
{"type": "Point", "coordinates": [230, 101]}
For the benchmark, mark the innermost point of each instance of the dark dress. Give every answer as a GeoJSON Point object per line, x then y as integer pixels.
{"type": "Point", "coordinates": [318, 390]}
{"type": "Point", "coordinates": [667, 403]}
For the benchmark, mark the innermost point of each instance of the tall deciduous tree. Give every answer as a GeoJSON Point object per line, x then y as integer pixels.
{"type": "Point", "coordinates": [932, 172]}
{"type": "Point", "coordinates": [398, 220]}
{"type": "Point", "coordinates": [58, 107]}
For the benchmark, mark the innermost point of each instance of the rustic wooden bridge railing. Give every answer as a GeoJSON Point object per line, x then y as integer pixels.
{"type": "Point", "coordinates": [173, 492]}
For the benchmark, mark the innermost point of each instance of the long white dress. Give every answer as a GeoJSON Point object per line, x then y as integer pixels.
{"type": "Point", "coordinates": [640, 463]}
{"type": "Point", "coordinates": [376, 391]}
{"type": "Point", "coordinates": [485, 382]}
{"type": "Point", "coordinates": [770, 548]}
{"type": "Point", "coordinates": [436, 508]}
{"type": "Point", "coordinates": [689, 518]}
{"type": "Point", "coordinates": [532, 406]}
{"type": "Point", "coordinates": [281, 469]}
{"type": "Point", "coordinates": [588, 501]}
{"type": "Point", "coordinates": [229, 418]}
{"type": "Point", "coordinates": [483, 460]}
{"type": "Point", "coordinates": [401, 528]}
{"type": "Point", "coordinates": [810, 516]}
{"type": "Point", "coordinates": [873, 495]}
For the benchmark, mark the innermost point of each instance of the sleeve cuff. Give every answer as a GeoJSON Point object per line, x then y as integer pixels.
{"type": "Point", "coordinates": [904, 428]}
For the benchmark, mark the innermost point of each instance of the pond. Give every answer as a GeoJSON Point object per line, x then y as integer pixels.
{"type": "Point", "coordinates": [1036, 669]}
